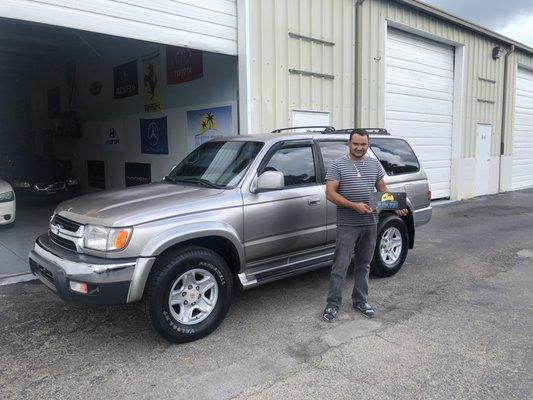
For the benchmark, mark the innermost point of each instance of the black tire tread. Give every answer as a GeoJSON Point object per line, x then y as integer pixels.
{"type": "Point", "coordinates": [385, 271]}
{"type": "Point", "coordinates": [168, 261]}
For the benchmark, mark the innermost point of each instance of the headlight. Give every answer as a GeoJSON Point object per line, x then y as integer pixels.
{"type": "Point", "coordinates": [105, 239]}
{"type": "Point", "coordinates": [21, 184]}
{"type": "Point", "coordinates": [72, 182]}
{"type": "Point", "coordinates": [6, 196]}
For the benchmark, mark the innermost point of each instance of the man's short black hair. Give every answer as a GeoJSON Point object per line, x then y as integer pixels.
{"type": "Point", "coordinates": [360, 132]}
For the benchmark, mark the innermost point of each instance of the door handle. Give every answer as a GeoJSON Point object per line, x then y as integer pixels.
{"type": "Point", "coordinates": [314, 201]}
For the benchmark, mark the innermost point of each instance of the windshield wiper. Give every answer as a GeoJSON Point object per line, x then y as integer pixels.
{"type": "Point", "coordinates": [201, 181]}
{"type": "Point", "coordinates": [169, 178]}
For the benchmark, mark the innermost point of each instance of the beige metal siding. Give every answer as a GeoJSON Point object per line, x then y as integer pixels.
{"type": "Point", "coordinates": [483, 83]}
{"type": "Point", "coordinates": [209, 25]}
{"type": "Point", "coordinates": [274, 90]}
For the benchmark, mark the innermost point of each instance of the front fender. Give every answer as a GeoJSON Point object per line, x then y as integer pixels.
{"type": "Point", "coordinates": [182, 233]}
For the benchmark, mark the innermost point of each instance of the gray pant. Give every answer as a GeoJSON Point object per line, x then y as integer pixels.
{"type": "Point", "coordinates": [363, 238]}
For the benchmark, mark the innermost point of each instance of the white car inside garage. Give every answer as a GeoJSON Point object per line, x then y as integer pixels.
{"type": "Point", "coordinates": [7, 205]}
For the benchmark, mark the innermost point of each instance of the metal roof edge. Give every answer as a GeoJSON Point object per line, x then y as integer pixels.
{"type": "Point", "coordinates": [421, 6]}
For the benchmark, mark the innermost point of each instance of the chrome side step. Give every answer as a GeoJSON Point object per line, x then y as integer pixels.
{"type": "Point", "coordinates": [250, 281]}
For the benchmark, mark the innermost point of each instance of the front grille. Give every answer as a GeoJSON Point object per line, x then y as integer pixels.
{"type": "Point", "coordinates": [65, 223]}
{"type": "Point", "coordinates": [60, 241]}
{"type": "Point", "coordinates": [45, 273]}
{"type": "Point", "coordinates": [50, 185]}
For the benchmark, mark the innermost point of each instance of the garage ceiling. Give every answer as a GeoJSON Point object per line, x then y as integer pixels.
{"type": "Point", "coordinates": [26, 47]}
{"type": "Point", "coordinates": [30, 49]}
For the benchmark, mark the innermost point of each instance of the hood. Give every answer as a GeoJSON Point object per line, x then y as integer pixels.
{"type": "Point", "coordinates": [144, 203]}
{"type": "Point", "coordinates": [4, 186]}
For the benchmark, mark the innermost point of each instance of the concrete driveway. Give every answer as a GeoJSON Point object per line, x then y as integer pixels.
{"type": "Point", "coordinates": [16, 242]}
{"type": "Point", "coordinates": [455, 323]}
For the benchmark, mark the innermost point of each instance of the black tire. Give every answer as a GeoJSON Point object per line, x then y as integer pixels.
{"type": "Point", "coordinates": [163, 278]}
{"type": "Point", "coordinates": [386, 266]}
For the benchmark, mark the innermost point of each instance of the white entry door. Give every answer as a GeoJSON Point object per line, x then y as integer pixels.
{"type": "Point", "coordinates": [483, 140]}
{"type": "Point", "coordinates": [310, 118]}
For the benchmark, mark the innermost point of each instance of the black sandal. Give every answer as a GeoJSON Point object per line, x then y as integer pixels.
{"type": "Point", "coordinates": [330, 313]}
{"type": "Point", "coordinates": [365, 309]}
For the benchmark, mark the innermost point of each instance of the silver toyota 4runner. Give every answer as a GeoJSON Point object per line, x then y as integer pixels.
{"type": "Point", "coordinates": [242, 210]}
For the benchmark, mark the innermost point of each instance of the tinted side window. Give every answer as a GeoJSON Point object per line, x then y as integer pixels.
{"type": "Point", "coordinates": [332, 151]}
{"type": "Point", "coordinates": [296, 163]}
{"type": "Point", "coordinates": [395, 155]}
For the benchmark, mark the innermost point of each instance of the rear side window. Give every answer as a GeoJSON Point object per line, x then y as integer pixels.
{"type": "Point", "coordinates": [332, 151]}
{"type": "Point", "coordinates": [395, 155]}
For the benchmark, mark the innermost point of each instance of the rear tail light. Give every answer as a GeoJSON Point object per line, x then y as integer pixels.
{"type": "Point", "coordinates": [429, 191]}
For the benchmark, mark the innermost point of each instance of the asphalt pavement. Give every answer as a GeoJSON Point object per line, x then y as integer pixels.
{"type": "Point", "coordinates": [454, 323]}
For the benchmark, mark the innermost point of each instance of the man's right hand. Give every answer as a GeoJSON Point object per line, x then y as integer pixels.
{"type": "Point", "coordinates": [362, 208]}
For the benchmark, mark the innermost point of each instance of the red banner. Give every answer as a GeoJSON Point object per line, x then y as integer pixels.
{"type": "Point", "coordinates": [183, 65]}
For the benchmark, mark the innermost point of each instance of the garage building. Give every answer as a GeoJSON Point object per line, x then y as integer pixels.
{"type": "Point", "coordinates": [458, 92]}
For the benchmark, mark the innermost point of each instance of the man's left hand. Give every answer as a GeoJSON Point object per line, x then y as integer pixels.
{"type": "Point", "coordinates": [402, 213]}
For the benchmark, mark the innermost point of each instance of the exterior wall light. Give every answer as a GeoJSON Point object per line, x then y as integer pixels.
{"type": "Point", "coordinates": [497, 52]}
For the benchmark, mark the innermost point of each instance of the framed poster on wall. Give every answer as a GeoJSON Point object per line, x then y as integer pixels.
{"type": "Point", "coordinates": [154, 139]}
{"type": "Point", "coordinates": [208, 123]}
{"type": "Point", "coordinates": [125, 80]}
{"type": "Point", "coordinates": [66, 125]}
{"type": "Point", "coordinates": [137, 173]}
{"type": "Point", "coordinates": [96, 173]}
{"type": "Point", "coordinates": [183, 65]}
{"type": "Point", "coordinates": [152, 82]}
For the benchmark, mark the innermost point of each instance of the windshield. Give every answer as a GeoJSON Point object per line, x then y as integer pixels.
{"type": "Point", "coordinates": [216, 164]}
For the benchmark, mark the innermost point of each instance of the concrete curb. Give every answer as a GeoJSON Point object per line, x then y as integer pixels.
{"type": "Point", "coordinates": [16, 278]}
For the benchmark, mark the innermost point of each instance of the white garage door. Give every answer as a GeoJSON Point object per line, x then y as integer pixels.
{"type": "Point", "coordinates": [209, 25]}
{"type": "Point", "coordinates": [523, 131]}
{"type": "Point", "coordinates": [419, 101]}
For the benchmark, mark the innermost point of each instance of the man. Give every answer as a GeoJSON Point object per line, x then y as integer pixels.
{"type": "Point", "coordinates": [350, 181]}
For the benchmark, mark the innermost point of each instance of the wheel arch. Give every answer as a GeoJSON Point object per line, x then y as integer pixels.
{"type": "Point", "coordinates": [408, 221]}
{"type": "Point", "coordinates": [219, 237]}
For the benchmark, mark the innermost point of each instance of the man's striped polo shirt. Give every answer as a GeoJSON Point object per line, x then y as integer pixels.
{"type": "Point", "coordinates": [357, 180]}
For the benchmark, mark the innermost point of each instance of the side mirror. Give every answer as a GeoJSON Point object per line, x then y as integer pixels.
{"type": "Point", "coordinates": [270, 180]}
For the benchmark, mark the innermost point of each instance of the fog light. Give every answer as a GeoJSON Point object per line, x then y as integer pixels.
{"type": "Point", "coordinates": [7, 217]}
{"type": "Point", "coordinates": [79, 287]}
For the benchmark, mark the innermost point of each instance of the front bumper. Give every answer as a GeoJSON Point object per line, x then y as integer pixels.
{"type": "Point", "coordinates": [109, 281]}
{"type": "Point", "coordinates": [7, 212]}
{"type": "Point", "coordinates": [34, 194]}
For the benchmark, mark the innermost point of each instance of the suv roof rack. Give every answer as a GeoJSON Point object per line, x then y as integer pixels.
{"type": "Point", "coordinates": [370, 131]}
{"type": "Point", "coordinates": [327, 129]}
{"type": "Point", "coordinates": [331, 129]}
